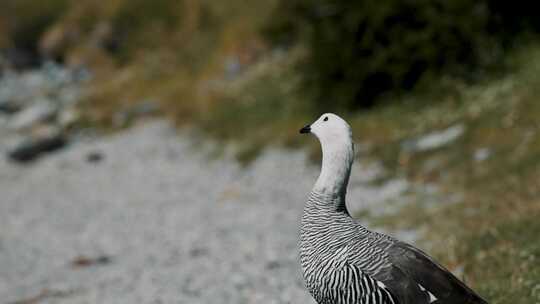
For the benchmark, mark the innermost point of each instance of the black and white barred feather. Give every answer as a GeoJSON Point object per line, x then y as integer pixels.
{"type": "Point", "coordinates": [343, 262]}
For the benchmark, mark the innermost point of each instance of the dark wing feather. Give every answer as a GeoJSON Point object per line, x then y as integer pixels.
{"type": "Point", "coordinates": [402, 286]}
{"type": "Point", "coordinates": [421, 268]}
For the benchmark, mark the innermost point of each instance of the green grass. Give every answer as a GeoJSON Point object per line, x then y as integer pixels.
{"type": "Point", "coordinates": [23, 22]}
{"type": "Point", "coordinates": [492, 231]}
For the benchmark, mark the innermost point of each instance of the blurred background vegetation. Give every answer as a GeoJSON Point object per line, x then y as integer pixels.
{"type": "Point", "coordinates": [242, 70]}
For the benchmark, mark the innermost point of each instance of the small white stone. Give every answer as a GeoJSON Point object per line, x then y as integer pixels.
{"type": "Point", "coordinates": [39, 112]}
{"type": "Point", "coordinates": [482, 154]}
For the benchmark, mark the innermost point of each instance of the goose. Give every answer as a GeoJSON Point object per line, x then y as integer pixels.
{"type": "Point", "coordinates": [344, 262]}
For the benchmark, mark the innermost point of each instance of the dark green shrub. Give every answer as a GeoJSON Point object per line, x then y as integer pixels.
{"type": "Point", "coordinates": [359, 50]}
{"type": "Point", "coordinates": [27, 20]}
{"type": "Point", "coordinates": [138, 24]}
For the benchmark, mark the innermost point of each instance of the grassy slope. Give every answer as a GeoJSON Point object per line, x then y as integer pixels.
{"type": "Point", "coordinates": [491, 229]}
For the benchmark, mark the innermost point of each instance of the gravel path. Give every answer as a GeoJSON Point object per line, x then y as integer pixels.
{"type": "Point", "coordinates": [170, 225]}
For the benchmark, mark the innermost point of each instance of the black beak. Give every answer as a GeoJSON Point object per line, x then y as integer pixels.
{"type": "Point", "coordinates": [306, 129]}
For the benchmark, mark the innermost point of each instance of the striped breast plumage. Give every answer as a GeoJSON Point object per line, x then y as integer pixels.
{"type": "Point", "coordinates": [330, 261]}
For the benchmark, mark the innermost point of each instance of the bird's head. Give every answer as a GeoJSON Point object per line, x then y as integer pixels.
{"type": "Point", "coordinates": [330, 129]}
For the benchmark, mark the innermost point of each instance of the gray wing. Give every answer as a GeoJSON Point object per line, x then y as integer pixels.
{"type": "Point", "coordinates": [371, 255]}
{"type": "Point", "coordinates": [411, 268]}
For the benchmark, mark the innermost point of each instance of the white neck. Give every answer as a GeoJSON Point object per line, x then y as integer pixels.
{"type": "Point", "coordinates": [337, 159]}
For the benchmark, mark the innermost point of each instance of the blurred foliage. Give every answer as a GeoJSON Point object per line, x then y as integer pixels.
{"type": "Point", "coordinates": [135, 29]}
{"type": "Point", "coordinates": [356, 51]}
{"type": "Point", "coordinates": [184, 54]}
{"type": "Point", "coordinates": [22, 22]}
{"type": "Point", "coordinates": [362, 49]}
{"type": "Point", "coordinates": [477, 215]}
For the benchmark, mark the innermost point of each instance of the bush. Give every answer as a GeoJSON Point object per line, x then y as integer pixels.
{"type": "Point", "coordinates": [24, 21]}
{"type": "Point", "coordinates": [139, 24]}
{"type": "Point", "coordinates": [362, 49]}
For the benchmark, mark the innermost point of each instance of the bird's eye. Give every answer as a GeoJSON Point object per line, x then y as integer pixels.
{"type": "Point", "coordinates": [326, 118]}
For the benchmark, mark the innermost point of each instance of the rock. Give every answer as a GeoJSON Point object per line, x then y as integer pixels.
{"type": "Point", "coordinates": [273, 265]}
{"type": "Point", "coordinates": [41, 111]}
{"type": "Point", "coordinates": [38, 109]}
{"type": "Point", "coordinates": [434, 140]}
{"type": "Point", "coordinates": [482, 154]}
{"type": "Point", "coordinates": [232, 67]}
{"type": "Point", "coordinates": [94, 157]}
{"type": "Point", "coordinates": [198, 252]}
{"type": "Point", "coordinates": [60, 86]}
{"type": "Point", "coordinates": [84, 261]}
{"type": "Point", "coordinates": [68, 117]}
{"type": "Point", "coordinates": [9, 107]}
{"type": "Point", "coordinates": [44, 141]}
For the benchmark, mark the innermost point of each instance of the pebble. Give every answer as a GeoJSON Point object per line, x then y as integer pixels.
{"type": "Point", "coordinates": [46, 140]}
{"type": "Point", "coordinates": [41, 111]}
